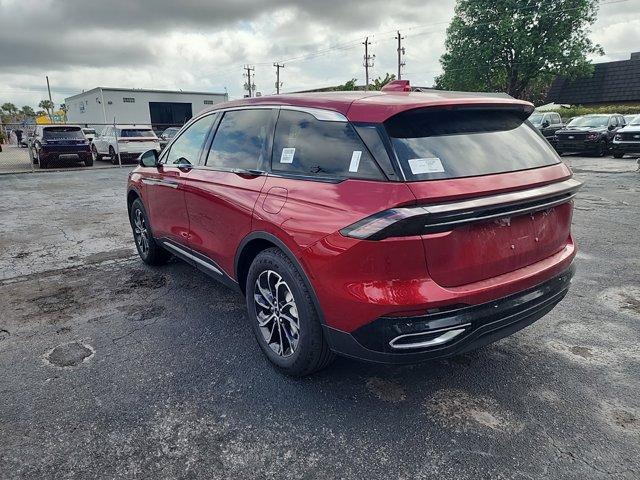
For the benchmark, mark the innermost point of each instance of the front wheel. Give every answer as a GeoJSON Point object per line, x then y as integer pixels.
{"type": "Point", "coordinates": [149, 250]}
{"type": "Point", "coordinates": [283, 316]}
{"type": "Point", "coordinates": [618, 154]}
{"type": "Point", "coordinates": [601, 151]}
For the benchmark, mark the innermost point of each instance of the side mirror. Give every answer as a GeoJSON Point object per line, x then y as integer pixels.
{"type": "Point", "coordinates": [545, 124]}
{"type": "Point", "coordinates": [611, 127]}
{"type": "Point", "coordinates": [148, 158]}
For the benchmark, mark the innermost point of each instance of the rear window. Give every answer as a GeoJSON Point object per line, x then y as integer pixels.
{"type": "Point", "coordinates": [136, 132]}
{"type": "Point", "coordinates": [438, 144]}
{"type": "Point", "coordinates": [63, 133]}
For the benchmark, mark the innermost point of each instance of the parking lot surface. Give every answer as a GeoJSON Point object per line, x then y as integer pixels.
{"type": "Point", "coordinates": [112, 369]}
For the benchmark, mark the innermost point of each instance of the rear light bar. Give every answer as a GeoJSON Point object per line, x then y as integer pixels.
{"type": "Point", "coordinates": [410, 221]}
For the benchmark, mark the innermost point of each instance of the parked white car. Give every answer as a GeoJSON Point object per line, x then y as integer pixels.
{"type": "Point", "coordinates": [89, 133]}
{"type": "Point", "coordinates": [127, 140]}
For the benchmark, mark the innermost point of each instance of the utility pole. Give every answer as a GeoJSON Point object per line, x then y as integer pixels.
{"type": "Point", "coordinates": [52, 106]}
{"type": "Point", "coordinates": [248, 85]}
{"type": "Point", "coordinates": [368, 61]}
{"type": "Point", "coordinates": [401, 53]}
{"type": "Point", "coordinates": [278, 84]}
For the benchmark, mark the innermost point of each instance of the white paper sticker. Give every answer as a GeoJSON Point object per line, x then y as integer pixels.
{"type": "Point", "coordinates": [425, 165]}
{"type": "Point", "coordinates": [287, 155]}
{"type": "Point", "coordinates": [355, 161]}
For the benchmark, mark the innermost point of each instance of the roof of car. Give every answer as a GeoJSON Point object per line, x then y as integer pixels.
{"type": "Point", "coordinates": [359, 106]}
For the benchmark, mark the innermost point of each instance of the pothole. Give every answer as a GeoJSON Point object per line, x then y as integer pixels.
{"type": "Point", "coordinates": [625, 299]}
{"type": "Point", "coordinates": [4, 334]}
{"type": "Point", "coordinates": [386, 390]}
{"type": "Point", "coordinates": [69, 355]}
{"type": "Point", "coordinates": [461, 410]}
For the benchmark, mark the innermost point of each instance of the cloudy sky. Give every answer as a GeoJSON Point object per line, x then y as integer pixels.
{"type": "Point", "coordinates": [203, 44]}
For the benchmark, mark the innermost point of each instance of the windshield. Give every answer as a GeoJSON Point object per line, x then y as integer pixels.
{"type": "Point", "coordinates": [536, 118]}
{"type": "Point", "coordinates": [435, 144]}
{"type": "Point", "coordinates": [89, 131]}
{"type": "Point", "coordinates": [62, 133]}
{"type": "Point", "coordinates": [589, 121]}
{"type": "Point", "coordinates": [635, 121]}
{"type": "Point", "coordinates": [170, 132]}
{"type": "Point", "coordinates": [136, 132]}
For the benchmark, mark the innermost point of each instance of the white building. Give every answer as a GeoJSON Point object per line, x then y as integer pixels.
{"type": "Point", "coordinates": [160, 108]}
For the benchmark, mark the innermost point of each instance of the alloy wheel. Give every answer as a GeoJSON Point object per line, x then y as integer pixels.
{"type": "Point", "coordinates": [140, 232]}
{"type": "Point", "coordinates": [277, 313]}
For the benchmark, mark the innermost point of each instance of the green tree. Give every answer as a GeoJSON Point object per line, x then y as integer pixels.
{"type": "Point", "coordinates": [27, 111]}
{"type": "Point", "coordinates": [517, 46]}
{"type": "Point", "coordinates": [48, 106]}
{"type": "Point", "coordinates": [9, 108]}
{"type": "Point", "coordinates": [380, 82]}
{"type": "Point", "coordinates": [348, 86]}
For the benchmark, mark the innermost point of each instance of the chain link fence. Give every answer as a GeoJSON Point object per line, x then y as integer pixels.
{"type": "Point", "coordinates": [27, 148]}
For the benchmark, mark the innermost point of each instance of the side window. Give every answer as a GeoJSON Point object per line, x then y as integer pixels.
{"type": "Point", "coordinates": [307, 146]}
{"type": "Point", "coordinates": [186, 148]}
{"type": "Point", "coordinates": [240, 140]}
{"type": "Point", "coordinates": [556, 118]}
{"type": "Point", "coordinates": [613, 121]}
{"type": "Point", "coordinates": [621, 121]}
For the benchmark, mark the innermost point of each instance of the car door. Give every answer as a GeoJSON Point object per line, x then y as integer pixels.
{"type": "Point", "coordinates": [165, 185]}
{"type": "Point", "coordinates": [101, 143]}
{"type": "Point", "coordinates": [221, 194]}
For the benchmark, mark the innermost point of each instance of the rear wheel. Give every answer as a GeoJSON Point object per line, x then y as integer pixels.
{"type": "Point", "coordinates": [618, 154]}
{"type": "Point", "coordinates": [88, 161]}
{"type": "Point", "coordinates": [283, 316]}
{"type": "Point", "coordinates": [94, 153]}
{"type": "Point", "coordinates": [44, 163]}
{"type": "Point", "coordinates": [149, 250]}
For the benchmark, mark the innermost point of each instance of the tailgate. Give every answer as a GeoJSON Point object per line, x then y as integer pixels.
{"type": "Point", "coordinates": [472, 240]}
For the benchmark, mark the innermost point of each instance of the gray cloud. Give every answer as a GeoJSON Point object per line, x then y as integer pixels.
{"type": "Point", "coordinates": [201, 44]}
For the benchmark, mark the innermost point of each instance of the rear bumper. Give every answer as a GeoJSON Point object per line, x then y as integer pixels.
{"type": "Point", "coordinates": [465, 328]}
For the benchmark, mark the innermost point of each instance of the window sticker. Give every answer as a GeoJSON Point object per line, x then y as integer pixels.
{"type": "Point", "coordinates": [287, 155]}
{"type": "Point", "coordinates": [355, 161]}
{"type": "Point", "coordinates": [425, 165]}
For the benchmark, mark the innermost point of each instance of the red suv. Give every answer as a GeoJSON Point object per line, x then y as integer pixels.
{"type": "Point", "coordinates": [388, 226]}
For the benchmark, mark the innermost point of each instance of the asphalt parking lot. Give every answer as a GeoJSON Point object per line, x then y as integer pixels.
{"type": "Point", "coordinates": [111, 369]}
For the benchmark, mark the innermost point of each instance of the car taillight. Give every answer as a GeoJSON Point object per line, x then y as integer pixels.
{"type": "Point", "coordinates": [389, 223]}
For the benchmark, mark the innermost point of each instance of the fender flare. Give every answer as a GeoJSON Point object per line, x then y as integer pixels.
{"type": "Point", "coordinates": [261, 235]}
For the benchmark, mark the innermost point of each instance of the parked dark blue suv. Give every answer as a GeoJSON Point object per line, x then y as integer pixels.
{"type": "Point", "coordinates": [65, 142]}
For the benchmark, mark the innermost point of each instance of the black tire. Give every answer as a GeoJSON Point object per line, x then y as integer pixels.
{"type": "Point", "coordinates": [34, 156]}
{"type": "Point", "coordinates": [94, 153]}
{"type": "Point", "coordinates": [311, 352]}
{"type": "Point", "coordinates": [88, 161]}
{"type": "Point", "coordinates": [43, 163]}
{"type": "Point", "coordinates": [154, 254]}
{"type": "Point", "coordinates": [114, 157]}
{"type": "Point", "coordinates": [618, 154]}
{"type": "Point", "coordinates": [602, 148]}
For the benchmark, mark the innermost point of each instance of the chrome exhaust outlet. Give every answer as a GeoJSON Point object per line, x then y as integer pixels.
{"type": "Point", "coordinates": [446, 335]}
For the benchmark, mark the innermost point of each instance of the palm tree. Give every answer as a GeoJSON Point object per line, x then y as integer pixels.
{"type": "Point", "coordinates": [48, 106]}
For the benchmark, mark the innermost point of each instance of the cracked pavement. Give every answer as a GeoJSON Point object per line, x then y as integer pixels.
{"type": "Point", "coordinates": [112, 369]}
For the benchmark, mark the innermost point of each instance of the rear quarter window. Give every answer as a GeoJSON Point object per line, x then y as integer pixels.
{"type": "Point", "coordinates": [433, 144]}
{"type": "Point", "coordinates": [304, 145]}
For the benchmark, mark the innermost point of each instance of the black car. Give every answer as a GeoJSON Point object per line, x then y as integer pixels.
{"type": "Point", "coordinates": [627, 140]}
{"type": "Point", "coordinates": [589, 134]}
{"type": "Point", "coordinates": [548, 123]}
{"type": "Point", "coordinates": [52, 142]}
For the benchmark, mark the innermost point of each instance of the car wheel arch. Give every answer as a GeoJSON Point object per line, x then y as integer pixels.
{"type": "Point", "coordinates": [258, 241]}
